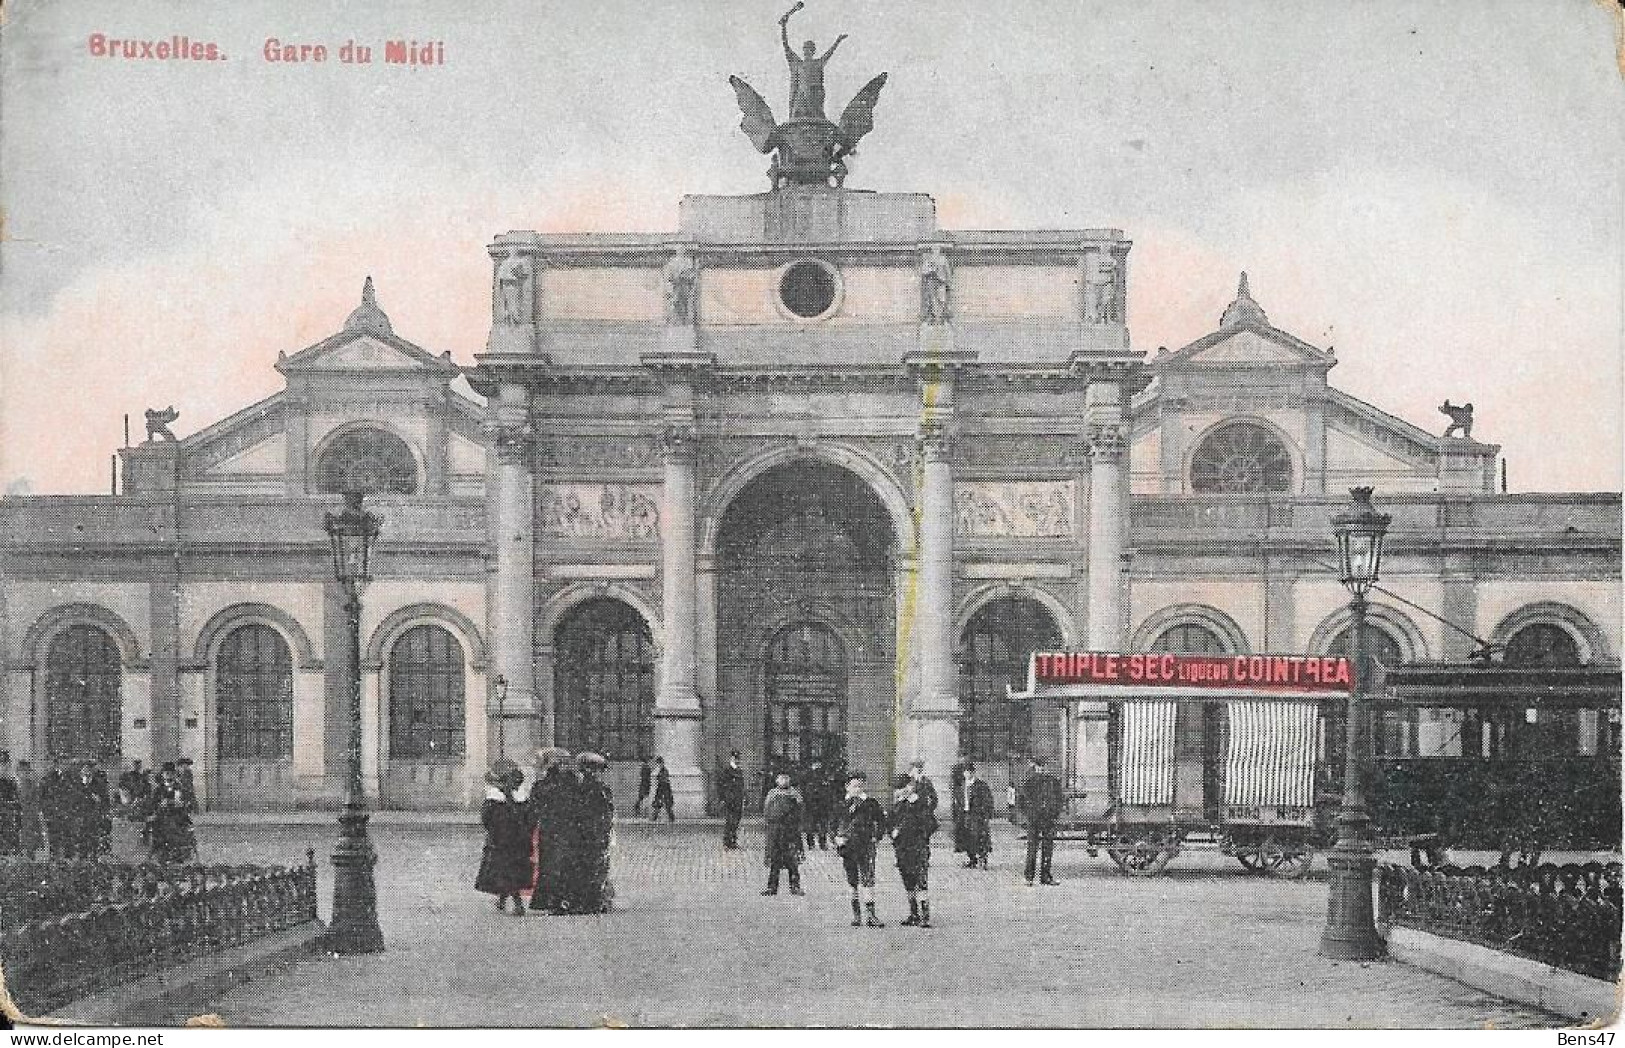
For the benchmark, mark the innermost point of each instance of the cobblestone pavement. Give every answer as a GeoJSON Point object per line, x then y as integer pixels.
{"type": "Point", "coordinates": [692, 943]}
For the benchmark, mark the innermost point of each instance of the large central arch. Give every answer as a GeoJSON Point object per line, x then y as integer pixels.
{"type": "Point", "coordinates": [804, 549]}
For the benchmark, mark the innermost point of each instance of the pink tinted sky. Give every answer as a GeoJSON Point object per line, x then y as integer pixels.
{"type": "Point", "coordinates": [1435, 189]}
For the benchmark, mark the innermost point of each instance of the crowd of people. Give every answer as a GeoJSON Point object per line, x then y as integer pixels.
{"type": "Point", "coordinates": [549, 839]}
{"type": "Point", "coordinates": [68, 812]}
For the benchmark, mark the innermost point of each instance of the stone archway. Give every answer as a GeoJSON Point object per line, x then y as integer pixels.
{"type": "Point", "coordinates": [806, 546]}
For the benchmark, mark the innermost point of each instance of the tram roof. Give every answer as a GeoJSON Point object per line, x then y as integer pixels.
{"type": "Point", "coordinates": [1494, 684]}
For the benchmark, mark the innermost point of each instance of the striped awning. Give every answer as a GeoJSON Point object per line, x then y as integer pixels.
{"type": "Point", "coordinates": [1146, 771]}
{"type": "Point", "coordinates": [1272, 753]}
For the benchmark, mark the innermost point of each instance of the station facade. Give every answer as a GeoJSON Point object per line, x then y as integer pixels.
{"type": "Point", "coordinates": [808, 477]}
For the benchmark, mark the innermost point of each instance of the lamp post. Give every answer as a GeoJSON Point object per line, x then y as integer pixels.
{"type": "Point", "coordinates": [500, 687]}
{"type": "Point", "coordinates": [1351, 927]}
{"type": "Point", "coordinates": [354, 927]}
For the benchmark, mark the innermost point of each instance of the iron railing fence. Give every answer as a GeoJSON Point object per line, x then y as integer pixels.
{"type": "Point", "coordinates": [1566, 916]}
{"type": "Point", "coordinates": [134, 920]}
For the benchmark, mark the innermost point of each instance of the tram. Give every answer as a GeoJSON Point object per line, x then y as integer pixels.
{"type": "Point", "coordinates": [1165, 752]}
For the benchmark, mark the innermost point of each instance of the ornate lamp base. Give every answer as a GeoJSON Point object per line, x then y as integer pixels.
{"type": "Point", "coordinates": [354, 928]}
{"type": "Point", "coordinates": [1351, 928]}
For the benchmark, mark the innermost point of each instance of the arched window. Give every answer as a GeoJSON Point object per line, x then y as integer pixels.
{"type": "Point", "coordinates": [370, 460]}
{"type": "Point", "coordinates": [1542, 644]}
{"type": "Point", "coordinates": [83, 673]}
{"type": "Point", "coordinates": [426, 713]}
{"type": "Point", "coordinates": [604, 681]}
{"type": "Point", "coordinates": [1189, 638]}
{"type": "Point", "coordinates": [994, 650]}
{"type": "Point", "coordinates": [1380, 645]}
{"type": "Point", "coordinates": [254, 695]}
{"type": "Point", "coordinates": [1238, 459]}
{"type": "Point", "coordinates": [806, 695]}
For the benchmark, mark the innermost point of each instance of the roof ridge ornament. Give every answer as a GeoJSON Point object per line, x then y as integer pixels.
{"type": "Point", "coordinates": [367, 316]}
{"type": "Point", "coordinates": [809, 150]}
{"type": "Point", "coordinates": [1243, 310]}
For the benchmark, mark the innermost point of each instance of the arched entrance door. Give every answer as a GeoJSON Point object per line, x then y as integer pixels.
{"type": "Point", "coordinates": [806, 696]}
{"type": "Point", "coordinates": [804, 548]}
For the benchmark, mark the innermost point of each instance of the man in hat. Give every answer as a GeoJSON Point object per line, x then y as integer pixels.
{"type": "Point", "coordinates": [913, 821]}
{"type": "Point", "coordinates": [551, 801]}
{"type": "Point", "coordinates": [188, 786]}
{"type": "Point", "coordinates": [731, 795]}
{"type": "Point", "coordinates": [859, 825]}
{"type": "Point", "coordinates": [54, 788]}
{"type": "Point", "coordinates": [1041, 801]}
{"type": "Point", "coordinates": [592, 817]}
{"type": "Point", "coordinates": [171, 836]}
{"type": "Point", "coordinates": [663, 794]}
{"type": "Point", "coordinates": [815, 790]}
{"type": "Point", "coordinates": [781, 819]}
{"type": "Point", "coordinates": [973, 812]}
{"type": "Point", "coordinates": [645, 784]}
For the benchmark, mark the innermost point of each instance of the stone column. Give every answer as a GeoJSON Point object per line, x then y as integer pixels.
{"type": "Point", "coordinates": [1108, 515]}
{"type": "Point", "coordinates": [677, 705]}
{"type": "Point", "coordinates": [512, 518]}
{"type": "Point", "coordinates": [935, 710]}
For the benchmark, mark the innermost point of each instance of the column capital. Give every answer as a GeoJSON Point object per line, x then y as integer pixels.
{"type": "Point", "coordinates": [513, 441]}
{"type": "Point", "coordinates": [936, 440]}
{"type": "Point", "coordinates": [679, 443]}
{"type": "Point", "coordinates": [1106, 443]}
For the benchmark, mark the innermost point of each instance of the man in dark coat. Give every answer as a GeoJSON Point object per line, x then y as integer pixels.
{"type": "Point", "coordinates": [551, 799]}
{"type": "Point", "coordinates": [645, 784]}
{"type": "Point", "coordinates": [1041, 802]}
{"type": "Point", "coordinates": [781, 820]}
{"type": "Point", "coordinates": [913, 821]}
{"type": "Point", "coordinates": [11, 809]}
{"type": "Point", "coordinates": [591, 816]}
{"type": "Point", "coordinates": [98, 825]}
{"type": "Point", "coordinates": [31, 832]}
{"type": "Point", "coordinates": [859, 825]}
{"type": "Point", "coordinates": [973, 812]}
{"type": "Point", "coordinates": [507, 816]}
{"type": "Point", "coordinates": [663, 794]}
{"type": "Point", "coordinates": [731, 795]}
{"type": "Point", "coordinates": [816, 789]}
{"type": "Point", "coordinates": [183, 768]}
{"type": "Point", "coordinates": [171, 834]}
{"type": "Point", "coordinates": [54, 810]}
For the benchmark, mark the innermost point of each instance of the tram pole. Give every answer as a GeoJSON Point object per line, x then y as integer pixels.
{"type": "Point", "coordinates": [1351, 926]}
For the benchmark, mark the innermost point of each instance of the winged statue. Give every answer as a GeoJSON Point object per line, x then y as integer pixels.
{"type": "Point", "coordinates": [810, 150]}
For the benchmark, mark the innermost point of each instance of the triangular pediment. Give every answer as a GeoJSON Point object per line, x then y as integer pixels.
{"type": "Point", "coordinates": [356, 351]}
{"type": "Point", "coordinates": [1256, 345]}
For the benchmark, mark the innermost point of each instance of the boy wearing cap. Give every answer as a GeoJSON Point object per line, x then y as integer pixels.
{"type": "Point", "coordinates": [913, 821]}
{"type": "Point", "coordinates": [731, 793]}
{"type": "Point", "coordinates": [859, 826]}
{"type": "Point", "coordinates": [781, 817]}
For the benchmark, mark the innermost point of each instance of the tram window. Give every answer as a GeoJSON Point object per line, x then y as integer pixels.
{"type": "Point", "coordinates": [1589, 730]}
{"type": "Point", "coordinates": [1438, 732]}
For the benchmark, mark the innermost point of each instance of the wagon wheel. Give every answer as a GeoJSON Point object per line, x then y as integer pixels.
{"type": "Point", "coordinates": [1251, 859]}
{"type": "Point", "coordinates": [1143, 858]}
{"type": "Point", "coordinates": [1289, 859]}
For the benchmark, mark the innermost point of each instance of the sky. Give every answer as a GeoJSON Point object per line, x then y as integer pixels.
{"type": "Point", "coordinates": [1433, 189]}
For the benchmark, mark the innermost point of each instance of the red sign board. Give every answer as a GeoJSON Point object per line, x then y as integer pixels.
{"type": "Point", "coordinates": [1284, 672]}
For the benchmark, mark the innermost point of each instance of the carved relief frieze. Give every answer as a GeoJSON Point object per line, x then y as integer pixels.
{"type": "Point", "coordinates": [599, 512]}
{"type": "Point", "coordinates": [1013, 509]}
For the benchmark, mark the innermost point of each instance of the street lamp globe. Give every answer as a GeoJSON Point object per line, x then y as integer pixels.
{"type": "Point", "coordinates": [351, 533]}
{"type": "Point", "coordinates": [1360, 530]}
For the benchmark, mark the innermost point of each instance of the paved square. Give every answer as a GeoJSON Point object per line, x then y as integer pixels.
{"type": "Point", "coordinates": [693, 943]}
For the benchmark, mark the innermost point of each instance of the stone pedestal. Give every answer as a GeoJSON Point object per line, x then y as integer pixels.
{"type": "Point", "coordinates": [677, 738]}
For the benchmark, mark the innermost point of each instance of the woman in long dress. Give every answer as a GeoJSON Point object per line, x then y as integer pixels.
{"type": "Point", "coordinates": [550, 800]}
{"type": "Point", "coordinates": [506, 814]}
